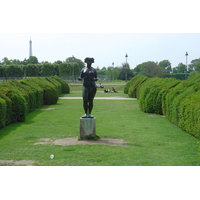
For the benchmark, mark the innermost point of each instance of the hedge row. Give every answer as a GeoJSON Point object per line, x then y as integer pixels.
{"type": "Point", "coordinates": [177, 100]}
{"type": "Point", "coordinates": [132, 85]}
{"type": "Point", "coordinates": [18, 98]}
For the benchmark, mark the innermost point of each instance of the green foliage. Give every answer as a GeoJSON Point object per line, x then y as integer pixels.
{"type": "Point", "coordinates": [13, 71]}
{"type": "Point", "coordinates": [181, 68]}
{"type": "Point", "coordinates": [177, 100]}
{"type": "Point", "coordinates": [195, 65]}
{"type": "Point", "coordinates": [189, 119]}
{"type": "Point", "coordinates": [64, 69]}
{"type": "Point", "coordinates": [18, 98]}
{"type": "Point", "coordinates": [31, 70]}
{"type": "Point", "coordinates": [48, 69]}
{"type": "Point", "coordinates": [57, 84]}
{"type": "Point", "coordinates": [131, 82]}
{"type": "Point", "coordinates": [162, 94]}
{"type": "Point", "coordinates": [50, 92]}
{"type": "Point", "coordinates": [134, 84]}
{"type": "Point", "coordinates": [36, 89]}
{"type": "Point", "coordinates": [32, 60]}
{"type": "Point", "coordinates": [8, 109]}
{"type": "Point", "coordinates": [3, 112]}
{"type": "Point", "coordinates": [182, 105]}
{"type": "Point", "coordinates": [150, 69]}
{"type": "Point", "coordinates": [26, 92]}
{"type": "Point", "coordinates": [180, 76]}
{"type": "Point", "coordinates": [65, 86]}
{"type": "Point", "coordinates": [147, 94]}
{"type": "Point", "coordinates": [19, 104]}
{"type": "Point", "coordinates": [125, 72]}
{"type": "Point", "coordinates": [166, 65]}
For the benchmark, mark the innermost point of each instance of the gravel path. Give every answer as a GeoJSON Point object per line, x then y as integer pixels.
{"type": "Point", "coordinates": [107, 98]}
{"type": "Point", "coordinates": [75, 141]}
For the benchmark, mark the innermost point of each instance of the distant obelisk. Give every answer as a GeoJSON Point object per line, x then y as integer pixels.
{"type": "Point", "coordinates": [30, 48]}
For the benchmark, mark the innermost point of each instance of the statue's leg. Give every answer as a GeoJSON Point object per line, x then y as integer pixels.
{"type": "Point", "coordinates": [85, 94]}
{"type": "Point", "coordinates": [91, 97]}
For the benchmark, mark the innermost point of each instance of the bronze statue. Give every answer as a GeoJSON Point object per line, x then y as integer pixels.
{"type": "Point", "coordinates": [89, 76]}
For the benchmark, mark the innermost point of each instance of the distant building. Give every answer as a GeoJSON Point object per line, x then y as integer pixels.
{"type": "Point", "coordinates": [30, 48]}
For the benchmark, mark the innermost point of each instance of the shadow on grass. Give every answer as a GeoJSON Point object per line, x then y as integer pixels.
{"type": "Point", "coordinates": [12, 127]}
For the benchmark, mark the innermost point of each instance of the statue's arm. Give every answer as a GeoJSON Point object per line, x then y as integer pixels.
{"type": "Point", "coordinates": [81, 76]}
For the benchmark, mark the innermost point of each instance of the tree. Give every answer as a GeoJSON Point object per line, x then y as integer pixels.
{"type": "Point", "coordinates": [166, 65]}
{"type": "Point", "coordinates": [195, 65]}
{"type": "Point", "coordinates": [48, 69]}
{"type": "Point", "coordinates": [75, 64]}
{"type": "Point", "coordinates": [58, 62]}
{"type": "Point", "coordinates": [75, 60]}
{"type": "Point", "coordinates": [137, 69]}
{"type": "Point", "coordinates": [64, 70]}
{"type": "Point", "coordinates": [112, 72]}
{"type": "Point", "coordinates": [6, 61]}
{"type": "Point", "coordinates": [32, 60]}
{"type": "Point", "coordinates": [150, 69]}
{"type": "Point", "coordinates": [31, 70]}
{"type": "Point", "coordinates": [16, 62]}
{"type": "Point", "coordinates": [181, 68]}
{"type": "Point", "coordinates": [13, 71]}
{"type": "Point", "coordinates": [124, 72]}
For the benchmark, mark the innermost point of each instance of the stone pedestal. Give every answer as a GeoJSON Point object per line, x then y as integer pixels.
{"type": "Point", "coordinates": [87, 128]}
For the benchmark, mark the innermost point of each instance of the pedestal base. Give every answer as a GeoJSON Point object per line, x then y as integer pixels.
{"type": "Point", "coordinates": [87, 128]}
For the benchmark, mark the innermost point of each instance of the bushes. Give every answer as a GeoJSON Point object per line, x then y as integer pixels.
{"type": "Point", "coordinates": [3, 112]}
{"type": "Point", "coordinates": [177, 100]}
{"type": "Point", "coordinates": [152, 94]}
{"type": "Point", "coordinates": [18, 102]}
{"type": "Point", "coordinates": [18, 98]}
{"type": "Point", "coordinates": [189, 119]}
{"type": "Point", "coordinates": [132, 85]}
{"type": "Point", "coordinates": [26, 92]}
{"type": "Point", "coordinates": [65, 86]}
{"type": "Point", "coordinates": [36, 89]}
{"type": "Point", "coordinates": [183, 106]}
{"type": "Point", "coordinates": [49, 90]}
{"type": "Point", "coordinates": [8, 114]}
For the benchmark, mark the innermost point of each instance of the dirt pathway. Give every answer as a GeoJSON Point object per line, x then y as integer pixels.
{"type": "Point", "coordinates": [105, 98]}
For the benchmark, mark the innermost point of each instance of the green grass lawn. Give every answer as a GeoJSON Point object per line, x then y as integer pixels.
{"type": "Point", "coordinates": [152, 139]}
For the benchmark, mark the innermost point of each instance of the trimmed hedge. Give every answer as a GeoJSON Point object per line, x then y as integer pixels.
{"type": "Point", "coordinates": [18, 98]}
{"type": "Point", "coordinates": [36, 89]}
{"type": "Point", "coordinates": [152, 94]}
{"type": "Point", "coordinates": [3, 112]}
{"type": "Point", "coordinates": [50, 91]}
{"type": "Point", "coordinates": [130, 88]}
{"type": "Point", "coordinates": [177, 100]}
{"type": "Point", "coordinates": [65, 86]}
{"type": "Point", "coordinates": [6, 117]}
{"type": "Point", "coordinates": [18, 102]}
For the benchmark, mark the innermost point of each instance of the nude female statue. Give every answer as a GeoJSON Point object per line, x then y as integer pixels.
{"type": "Point", "coordinates": [89, 76]}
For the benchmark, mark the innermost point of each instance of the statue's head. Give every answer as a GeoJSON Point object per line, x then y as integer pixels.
{"type": "Point", "coordinates": [89, 60]}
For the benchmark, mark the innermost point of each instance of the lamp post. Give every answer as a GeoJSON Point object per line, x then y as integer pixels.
{"type": "Point", "coordinates": [72, 68]}
{"type": "Point", "coordinates": [112, 72]}
{"type": "Point", "coordinates": [126, 67]}
{"type": "Point", "coordinates": [186, 54]}
{"type": "Point", "coordinates": [3, 72]}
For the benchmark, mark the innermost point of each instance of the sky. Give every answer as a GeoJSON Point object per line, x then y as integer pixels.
{"type": "Point", "coordinates": [105, 48]}
{"type": "Point", "coordinates": [106, 30]}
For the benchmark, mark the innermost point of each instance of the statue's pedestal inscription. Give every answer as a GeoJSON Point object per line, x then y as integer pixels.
{"type": "Point", "coordinates": [87, 128]}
